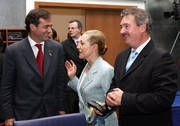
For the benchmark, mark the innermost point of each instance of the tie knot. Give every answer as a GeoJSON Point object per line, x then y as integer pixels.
{"type": "Point", "coordinates": [77, 42]}
{"type": "Point", "coordinates": [39, 46]}
{"type": "Point", "coordinates": [134, 52]}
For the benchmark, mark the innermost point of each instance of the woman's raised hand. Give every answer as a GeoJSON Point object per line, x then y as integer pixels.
{"type": "Point", "coordinates": [71, 69]}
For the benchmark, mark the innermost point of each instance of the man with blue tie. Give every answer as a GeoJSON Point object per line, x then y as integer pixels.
{"type": "Point", "coordinates": [34, 76]}
{"type": "Point", "coordinates": [144, 83]}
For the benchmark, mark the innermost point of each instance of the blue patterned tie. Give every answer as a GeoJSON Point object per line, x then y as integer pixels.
{"type": "Point", "coordinates": [131, 59]}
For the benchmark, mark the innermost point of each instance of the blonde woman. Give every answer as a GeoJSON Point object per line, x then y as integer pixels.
{"type": "Point", "coordinates": [96, 76]}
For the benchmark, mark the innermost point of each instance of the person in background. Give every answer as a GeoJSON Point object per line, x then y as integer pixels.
{"type": "Point", "coordinates": [1, 57]}
{"type": "Point", "coordinates": [53, 35]}
{"type": "Point", "coordinates": [95, 78]}
{"type": "Point", "coordinates": [72, 53]}
{"type": "Point", "coordinates": [144, 89]}
{"type": "Point", "coordinates": [34, 76]}
{"type": "Point", "coordinates": [1, 71]}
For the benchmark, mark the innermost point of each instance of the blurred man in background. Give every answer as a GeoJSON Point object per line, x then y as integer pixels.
{"type": "Point", "coordinates": [72, 53]}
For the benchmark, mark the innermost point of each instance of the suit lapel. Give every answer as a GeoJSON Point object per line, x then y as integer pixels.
{"type": "Point", "coordinates": [74, 49]}
{"type": "Point", "coordinates": [48, 54]}
{"type": "Point", "coordinates": [136, 63]}
{"type": "Point", "coordinates": [139, 60]}
{"type": "Point", "coordinates": [123, 63]}
{"type": "Point", "coordinates": [126, 60]}
{"type": "Point", "coordinates": [89, 78]}
{"type": "Point", "coordinates": [72, 44]}
{"type": "Point", "coordinates": [91, 74]}
{"type": "Point", "coordinates": [29, 56]}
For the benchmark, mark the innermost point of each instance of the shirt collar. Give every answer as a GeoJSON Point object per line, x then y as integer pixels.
{"type": "Point", "coordinates": [75, 40]}
{"type": "Point", "coordinates": [140, 48]}
{"type": "Point", "coordinates": [33, 43]}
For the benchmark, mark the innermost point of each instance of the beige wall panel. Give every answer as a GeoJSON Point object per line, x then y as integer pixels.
{"type": "Point", "coordinates": [105, 20]}
{"type": "Point", "coordinates": [61, 17]}
{"type": "Point", "coordinates": [108, 21]}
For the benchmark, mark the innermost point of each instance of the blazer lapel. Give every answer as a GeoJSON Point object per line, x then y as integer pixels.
{"type": "Point", "coordinates": [29, 56]}
{"type": "Point", "coordinates": [89, 78]}
{"type": "Point", "coordinates": [48, 54]}
{"type": "Point", "coordinates": [72, 44]}
{"type": "Point", "coordinates": [91, 74]}
{"type": "Point", "coordinates": [139, 60]}
{"type": "Point", "coordinates": [136, 63]}
{"type": "Point", "coordinates": [74, 49]}
{"type": "Point", "coordinates": [124, 62]}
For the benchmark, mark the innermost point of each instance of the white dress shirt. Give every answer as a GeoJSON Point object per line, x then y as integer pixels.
{"type": "Point", "coordinates": [34, 47]}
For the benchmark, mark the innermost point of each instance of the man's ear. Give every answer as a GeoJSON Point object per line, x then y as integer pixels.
{"type": "Point", "coordinates": [80, 30]}
{"type": "Point", "coordinates": [96, 46]}
{"type": "Point", "coordinates": [32, 27]}
{"type": "Point", "coordinates": [143, 27]}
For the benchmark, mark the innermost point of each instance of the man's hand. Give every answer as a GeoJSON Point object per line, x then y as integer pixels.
{"type": "Point", "coordinates": [114, 97]}
{"type": "Point", "coordinates": [9, 122]}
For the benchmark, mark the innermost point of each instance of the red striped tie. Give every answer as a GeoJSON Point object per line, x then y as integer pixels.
{"type": "Point", "coordinates": [77, 42]}
{"type": "Point", "coordinates": [40, 59]}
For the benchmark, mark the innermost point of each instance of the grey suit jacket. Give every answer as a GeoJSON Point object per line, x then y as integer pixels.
{"type": "Point", "coordinates": [94, 87]}
{"type": "Point", "coordinates": [24, 95]}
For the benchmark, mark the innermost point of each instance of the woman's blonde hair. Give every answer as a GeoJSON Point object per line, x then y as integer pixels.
{"type": "Point", "coordinates": [97, 37]}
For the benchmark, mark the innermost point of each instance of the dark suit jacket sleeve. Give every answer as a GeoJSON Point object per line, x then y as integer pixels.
{"type": "Point", "coordinates": [1, 66]}
{"type": "Point", "coordinates": [62, 81]}
{"type": "Point", "coordinates": [158, 86]}
{"type": "Point", "coordinates": [63, 43]}
{"type": "Point", "coordinates": [7, 85]}
{"type": "Point", "coordinates": [1, 70]}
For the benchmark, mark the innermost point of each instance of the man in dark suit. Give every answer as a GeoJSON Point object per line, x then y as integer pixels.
{"type": "Point", "coordinates": [27, 93]}
{"type": "Point", "coordinates": [1, 70]}
{"type": "Point", "coordinates": [72, 53]}
{"type": "Point", "coordinates": [1, 58]}
{"type": "Point", "coordinates": [145, 90]}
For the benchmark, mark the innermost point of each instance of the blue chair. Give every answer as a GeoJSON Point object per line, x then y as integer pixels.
{"type": "Point", "coordinates": [178, 92]}
{"type": "Point", "coordinates": [176, 110]}
{"type": "Point", "coordinates": [76, 119]}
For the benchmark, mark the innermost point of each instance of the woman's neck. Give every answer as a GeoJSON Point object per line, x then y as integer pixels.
{"type": "Point", "coordinates": [91, 60]}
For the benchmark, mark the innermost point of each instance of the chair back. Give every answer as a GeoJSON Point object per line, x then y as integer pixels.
{"type": "Point", "coordinates": [76, 119]}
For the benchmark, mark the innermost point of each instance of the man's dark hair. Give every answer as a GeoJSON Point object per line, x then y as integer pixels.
{"type": "Point", "coordinates": [54, 33]}
{"type": "Point", "coordinates": [34, 16]}
{"type": "Point", "coordinates": [78, 22]}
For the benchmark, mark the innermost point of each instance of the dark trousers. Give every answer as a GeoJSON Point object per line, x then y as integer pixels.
{"type": "Point", "coordinates": [72, 102]}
